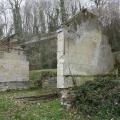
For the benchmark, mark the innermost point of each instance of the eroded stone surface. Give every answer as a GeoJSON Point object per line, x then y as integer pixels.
{"type": "Point", "coordinates": [13, 68]}
{"type": "Point", "coordinates": [83, 52]}
{"type": "Point", "coordinates": [67, 97]}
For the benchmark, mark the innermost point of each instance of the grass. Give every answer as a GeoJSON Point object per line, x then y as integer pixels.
{"type": "Point", "coordinates": [12, 109]}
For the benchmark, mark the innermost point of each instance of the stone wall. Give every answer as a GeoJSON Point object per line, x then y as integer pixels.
{"type": "Point", "coordinates": [13, 85]}
{"type": "Point", "coordinates": [83, 52]}
{"type": "Point", "coordinates": [13, 67]}
{"type": "Point", "coordinates": [89, 53]}
{"type": "Point", "coordinates": [49, 82]}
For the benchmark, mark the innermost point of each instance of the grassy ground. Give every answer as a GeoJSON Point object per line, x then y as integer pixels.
{"type": "Point", "coordinates": [12, 109]}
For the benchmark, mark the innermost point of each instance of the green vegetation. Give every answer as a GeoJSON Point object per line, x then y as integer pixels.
{"type": "Point", "coordinates": [40, 74]}
{"type": "Point", "coordinates": [12, 109]}
{"type": "Point", "coordinates": [99, 99]}
{"type": "Point", "coordinates": [96, 100]}
{"type": "Point", "coordinates": [36, 76]}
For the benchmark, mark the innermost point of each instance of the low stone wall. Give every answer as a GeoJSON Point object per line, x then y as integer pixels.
{"type": "Point", "coordinates": [49, 81]}
{"type": "Point", "coordinates": [12, 85]}
{"type": "Point", "coordinates": [13, 66]}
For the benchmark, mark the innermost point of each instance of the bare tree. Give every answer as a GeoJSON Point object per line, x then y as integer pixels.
{"type": "Point", "coordinates": [27, 18]}
{"type": "Point", "coordinates": [3, 13]}
{"type": "Point", "coordinates": [35, 21]}
{"type": "Point", "coordinates": [108, 12]}
{"type": "Point", "coordinates": [15, 7]}
{"type": "Point", "coordinates": [63, 11]}
{"type": "Point", "coordinates": [41, 11]}
{"type": "Point", "coordinates": [74, 8]}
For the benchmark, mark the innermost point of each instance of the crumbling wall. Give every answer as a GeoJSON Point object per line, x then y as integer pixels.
{"type": "Point", "coordinates": [89, 53]}
{"type": "Point", "coordinates": [13, 66]}
{"type": "Point", "coordinates": [84, 52]}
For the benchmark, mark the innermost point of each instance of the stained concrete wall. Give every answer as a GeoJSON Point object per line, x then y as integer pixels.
{"type": "Point", "coordinates": [82, 52]}
{"type": "Point", "coordinates": [60, 60]}
{"type": "Point", "coordinates": [49, 82]}
{"type": "Point", "coordinates": [13, 85]}
{"type": "Point", "coordinates": [13, 66]}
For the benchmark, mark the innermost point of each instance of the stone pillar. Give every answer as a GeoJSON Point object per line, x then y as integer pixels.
{"type": "Point", "coordinates": [67, 97]}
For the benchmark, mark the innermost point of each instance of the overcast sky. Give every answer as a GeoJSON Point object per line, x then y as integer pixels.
{"type": "Point", "coordinates": [9, 15]}
{"type": "Point", "coordinates": [84, 2]}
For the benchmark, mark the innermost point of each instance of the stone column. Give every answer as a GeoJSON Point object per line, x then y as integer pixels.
{"type": "Point", "coordinates": [67, 97]}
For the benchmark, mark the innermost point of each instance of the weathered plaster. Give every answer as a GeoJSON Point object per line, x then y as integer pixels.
{"type": "Point", "coordinates": [13, 66]}
{"type": "Point", "coordinates": [83, 52]}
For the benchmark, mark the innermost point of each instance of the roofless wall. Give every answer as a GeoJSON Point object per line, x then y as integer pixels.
{"type": "Point", "coordinates": [83, 52]}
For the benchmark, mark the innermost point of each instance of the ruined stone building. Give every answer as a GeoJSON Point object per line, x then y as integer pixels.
{"type": "Point", "coordinates": [41, 51]}
{"type": "Point", "coordinates": [14, 68]}
{"type": "Point", "coordinates": [83, 52]}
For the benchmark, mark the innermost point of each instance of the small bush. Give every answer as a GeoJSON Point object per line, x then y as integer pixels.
{"type": "Point", "coordinates": [99, 98]}
{"type": "Point", "coordinates": [36, 76]}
